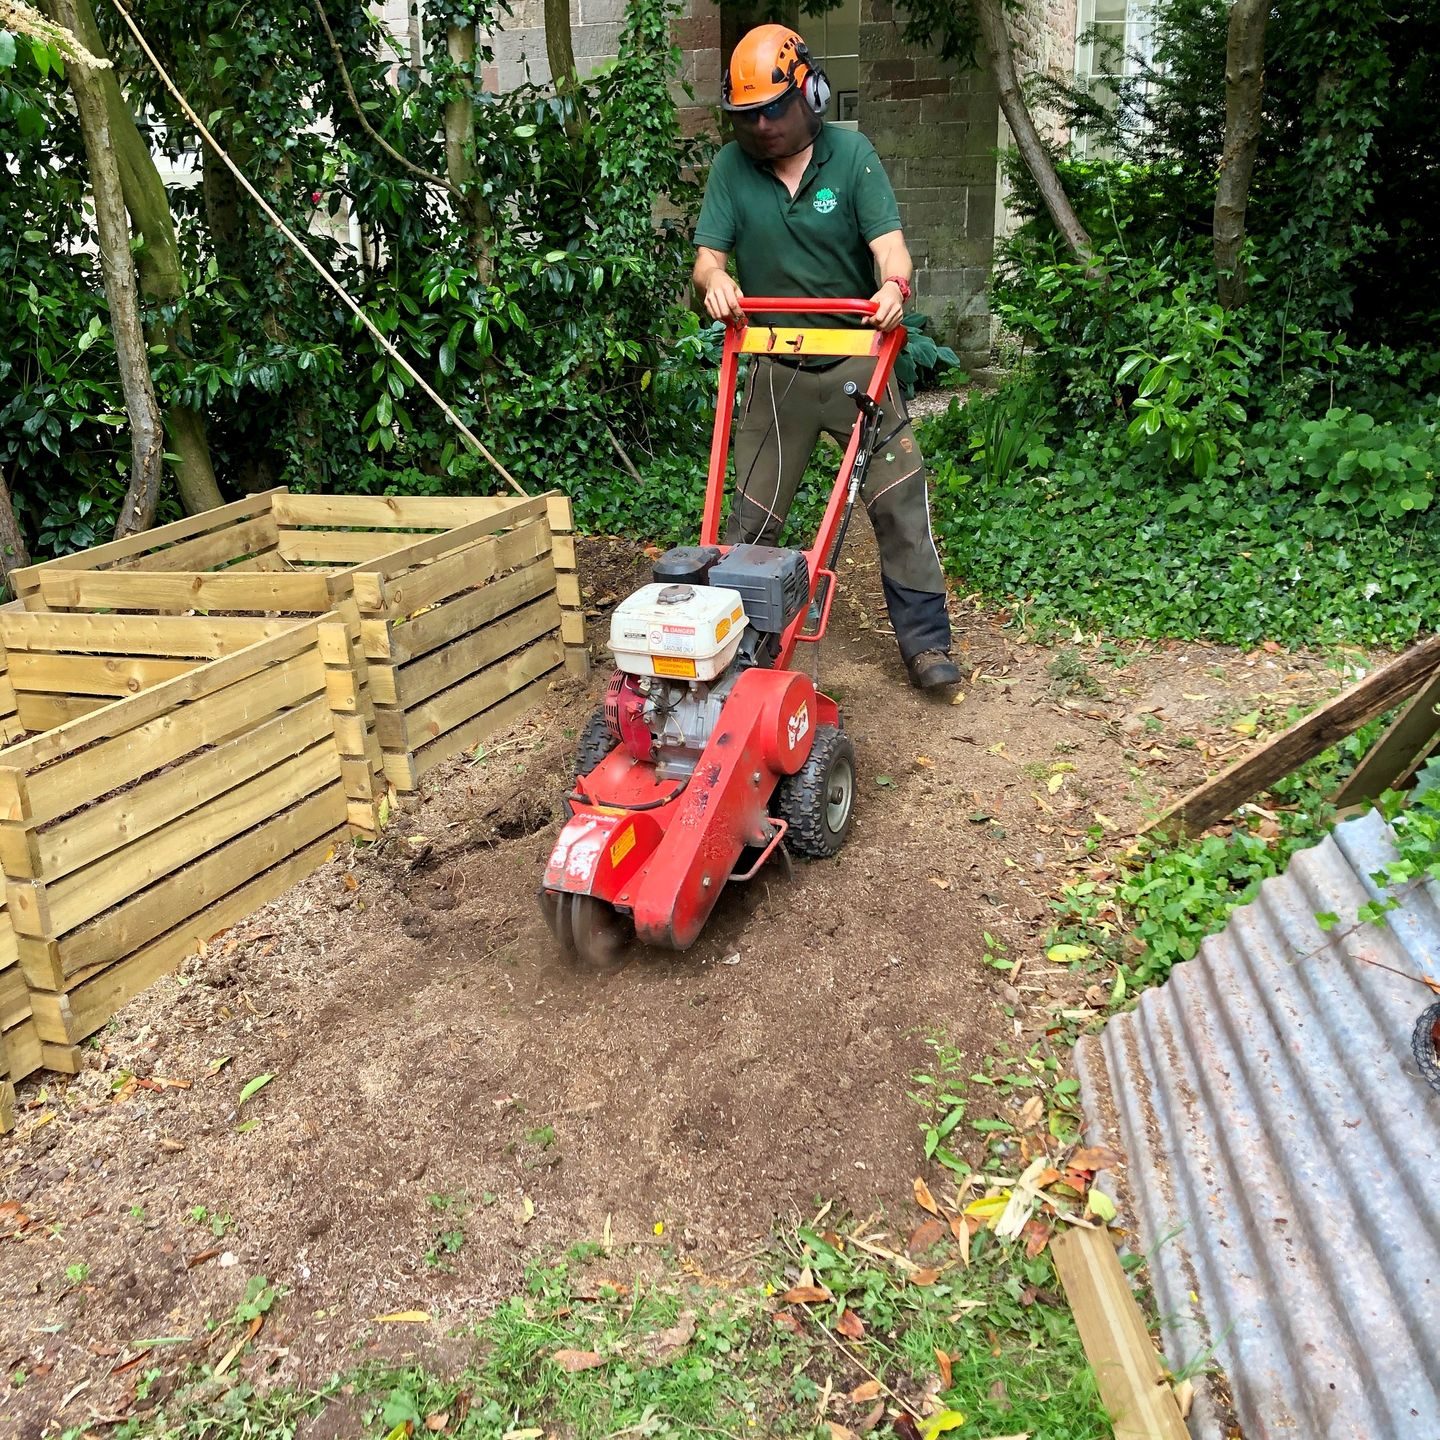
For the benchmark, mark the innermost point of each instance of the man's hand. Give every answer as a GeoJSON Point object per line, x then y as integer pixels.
{"type": "Point", "coordinates": [722, 299]}
{"type": "Point", "coordinates": [889, 307]}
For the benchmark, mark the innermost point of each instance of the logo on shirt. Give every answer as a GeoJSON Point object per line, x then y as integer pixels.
{"type": "Point", "coordinates": [825, 201]}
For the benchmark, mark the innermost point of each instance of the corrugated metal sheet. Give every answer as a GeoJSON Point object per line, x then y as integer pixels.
{"type": "Point", "coordinates": [1284, 1155]}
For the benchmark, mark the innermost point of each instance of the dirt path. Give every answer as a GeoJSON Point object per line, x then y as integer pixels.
{"type": "Point", "coordinates": [449, 1100]}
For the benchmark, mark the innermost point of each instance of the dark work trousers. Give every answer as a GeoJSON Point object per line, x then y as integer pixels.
{"type": "Point", "coordinates": [782, 413]}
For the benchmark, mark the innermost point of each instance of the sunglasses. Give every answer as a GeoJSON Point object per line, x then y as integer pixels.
{"type": "Point", "coordinates": [775, 110]}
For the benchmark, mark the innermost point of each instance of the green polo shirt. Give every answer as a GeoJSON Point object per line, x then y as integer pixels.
{"type": "Point", "coordinates": [817, 243]}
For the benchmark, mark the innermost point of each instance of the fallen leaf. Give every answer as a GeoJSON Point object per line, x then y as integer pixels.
{"type": "Point", "coordinates": [923, 1198]}
{"type": "Point", "coordinates": [867, 1391]}
{"type": "Point", "coordinates": [351, 883]}
{"type": "Point", "coordinates": [938, 1424]}
{"type": "Point", "coordinates": [805, 1295]}
{"type": "Point", "coordinates": [938, 882]}
{"type": "Point", "coordinates": [925, 1236]}
{"type": "Point", "coordinates": [1247, 725]}
{"type": "Point", "coordinates": [943, 1361]}
{"type": "Point", "coordinates": [252, 1088]}
{"type": "Point", "coordinates": [572, 1360]}
{"type": "Point", "coordinates": [1001, 1397]}
{"type": "Point", "coordinates": [525, 1212]}
{"type": "Point", "coordinates": [787, 1320]}
{"type": "Point", "coordinates": [924, 760]}
{"type": "Point", "coordinates": [850, 1325]}
{"type": "Point", "coordinates": [959, 699]}
{"type": "Point", "coordinates": [1032, 1112]}
{"type": "Point", "coordinates": [1054, 783]}
{"type": "Point", "coordinates": [1068, 954]}
{"type": "Point", "coordinates": [1094, 1157]}
{"type": "Point", "coordinates": [1037, 1237]}
{"type": "Point", "coordinates": [841, 1432]}
{"type": "Point", "coordinates": [924, 1277]}
{"type": "Point", "coordinates": [668, 1345]}
{"type": "Point", "coordinates": [1100, 1205]}
{"type": "Point", "coordinates": [436, 1422]}
{"type": "Point", "coordinates": [201, 1258]}
{"type": "Point", "coordinates": [905, 1427]}
{"type": "Point", "coordinates": [403, 1317]}
{"type": "Point", "coordinates": [989, 1207]}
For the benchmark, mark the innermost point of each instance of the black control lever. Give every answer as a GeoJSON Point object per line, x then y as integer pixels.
{"type": "Point", "coordinates": [863, 403]}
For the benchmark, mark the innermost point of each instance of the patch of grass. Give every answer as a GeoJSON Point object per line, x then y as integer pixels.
{"type": "Point", "coordinates": [574, 1355]}
{"type": "Point", "coordinates": [1070, 675]}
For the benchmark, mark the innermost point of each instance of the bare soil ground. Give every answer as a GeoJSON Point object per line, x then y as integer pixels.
{"type": "Point", "coordinates": [438, 1070]}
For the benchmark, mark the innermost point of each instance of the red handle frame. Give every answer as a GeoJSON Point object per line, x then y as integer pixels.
{"type": "Point", "coordinates": [891, 343]}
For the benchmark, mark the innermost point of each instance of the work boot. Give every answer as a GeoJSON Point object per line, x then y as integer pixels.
{"type": "Point", "coordinates": [932, 669]}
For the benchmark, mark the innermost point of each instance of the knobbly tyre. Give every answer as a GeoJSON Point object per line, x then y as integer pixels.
{"type": "Point", "coordinates": [708, 744]}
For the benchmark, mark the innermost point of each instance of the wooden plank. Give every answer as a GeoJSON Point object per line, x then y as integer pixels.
{"type": "Point", "coordinates": [487, 723]}
{"type": "Point", "coordinates": [572, 627]}
{"type": "Point", "coordinates": [292, 593]}
{"type": "Point", "coordinates": [563, 547]}
{"type": "Point", "coordinates": [441, 669]}
{"type": "Point", "coordinates": [79, 779]}
{"type": "Point", "coordinates": [767, 339]}
{"type": "Point", "coordinates": [97, 830]}
{"type": "Point", "coordinates": [79, 675]}
{"type": "Point", "coordinates": [410, 639]}
{"type": "Point", "coordinates": [7, 1106]}
{"type": "Point", "coordinates": [195, 636]}
{"type": "Point", "coordinates": [330, 547]}
{"type": "Point", "coordinates": [1130, 1376]}
{"type": "Point", "coordinates": [567, 591]}
{"type": "Point", "coordinates": [159, 701]}
{"type": "Point", "coordinates": [1399, 752]}
{"type": "Point", "coordinates": [137, 921]}
{"type": "Point", "coordinates": [48, 712]}
{"type": "Point", "coordinates": [1346, 713]}
{"type": "Point", "coordinates": [14, 998]}
{"type": "Point", "coordinates": [55, 909]}
{"type": "Point", "coordinates": [425, 551]}
{"type": "Point", "coordinates": [101, 557]}
{"type": "Point", "coordinates": [22, 1045]}
{"type": "Point", "coordinates": [205, 552]}
{"type": "Point", "coordinates": [480, 563]}
{"type": "Point", "coordinates": [464, 701]}
{"type": "Point", "coordinates": [68, 1019]}
{"type": "Point", "coordinates": [559, 512]}
{"type": "Point", "coordinates": [389, 512]}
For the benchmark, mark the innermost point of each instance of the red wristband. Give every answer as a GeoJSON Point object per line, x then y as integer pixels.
{"type": "Point", "coordinates": [903, 286]}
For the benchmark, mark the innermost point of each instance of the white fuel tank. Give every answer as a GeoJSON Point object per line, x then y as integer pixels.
{"type": "Point", "coordinates": [682, 632]}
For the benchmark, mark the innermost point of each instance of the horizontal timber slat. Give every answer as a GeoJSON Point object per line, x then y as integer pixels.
{"type": "Point", "coordinates": [97, 830]}
{"type": "Point", "coordinates": [67, 1019]}
{"type": "Point", "coordinates": [441, 669]}
{"type": "Point", "coordinates": [222, 547]}
{"type": "Point", "coordinates": [415, 512]}
{"type": "Point", "coordinates": [103, 556]}
{"type": "Point", "coordinates": [431, 584]}
{"type": "Point", "coordinates": [76, 675]}
{"type": "Point", "coordinates": [432, 628]}
{"type": "Point", "coordinates": [47, 712]}
{"type": "Point", "coordinates": [169, 902]}
{"type": "Point", "coordinates": [496, 717]}
{"type": "Point", "coordinates": [58, 907]}
{"type": "Point", "coordinates": [165, 635]}
{"type": "Point", "coordinates": [460, 703]}
{"type": "Point", "coordinates": [188, 590]}
{"type": "Point", "coordinates": [329, 547]}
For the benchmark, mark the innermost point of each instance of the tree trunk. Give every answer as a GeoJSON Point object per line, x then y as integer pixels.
{"type": "Point", "coordinates": [1244, 93]}
{"type": "Point", "coordinates": [14, 554]}
{"type": "Point", "coordinates": [113, 231]}
{"type": "Point", "coordinates": [990, 18]}
{"type": "Point", "coordinates": [560, 51]}
{"type": "Point", "coordinates": [460, 146]}
{"type": "Point", "coordinates": [162, 278]}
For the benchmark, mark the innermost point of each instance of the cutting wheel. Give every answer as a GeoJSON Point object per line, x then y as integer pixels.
{"type": "Point", "coordinates": [592, 932]}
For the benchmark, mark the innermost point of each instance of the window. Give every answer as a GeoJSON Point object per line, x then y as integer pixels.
{"type": "Point", "coordinates": [1113, 38]}
{"type": "Point", "coordinates": [834, 40]}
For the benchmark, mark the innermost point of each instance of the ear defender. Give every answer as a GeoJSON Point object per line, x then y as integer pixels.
{"type": "Point", "coordinates": [815, 87]}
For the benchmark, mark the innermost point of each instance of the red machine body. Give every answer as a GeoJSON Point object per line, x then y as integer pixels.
{"type": "Point", "coordinates": [643, 849]}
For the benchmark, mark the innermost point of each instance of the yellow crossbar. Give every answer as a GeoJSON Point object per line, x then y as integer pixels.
{"type": "Point", "coordinates": [765, 340]}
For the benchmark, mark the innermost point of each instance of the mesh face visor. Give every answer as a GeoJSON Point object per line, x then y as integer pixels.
{"type": "Point", "coordinates": [776, 130]}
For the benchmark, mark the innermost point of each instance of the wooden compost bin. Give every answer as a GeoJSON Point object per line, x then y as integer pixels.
{"type": "Point", "coordinates": [466, 608]}
{"type": "Point", "coordinates": [202, 776]}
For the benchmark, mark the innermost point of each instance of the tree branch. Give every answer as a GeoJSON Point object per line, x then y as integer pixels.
{"type": "Point", "coordinates": [439, 181]}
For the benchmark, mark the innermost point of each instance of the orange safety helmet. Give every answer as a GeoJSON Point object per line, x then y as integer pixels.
{"type": "Point", "coordinates": [769, 62]}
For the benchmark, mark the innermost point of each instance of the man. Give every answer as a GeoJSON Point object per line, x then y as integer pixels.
{"type": "Point", "coordinates": [806, 209]}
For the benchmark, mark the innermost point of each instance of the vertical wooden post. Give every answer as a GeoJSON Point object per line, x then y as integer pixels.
{"type": "Point", "coordinates": [7, 1100]}
{"type": "Point", "coordinates": [567, 585]}
{"type": "Point", "coordinates": [352, 713]}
